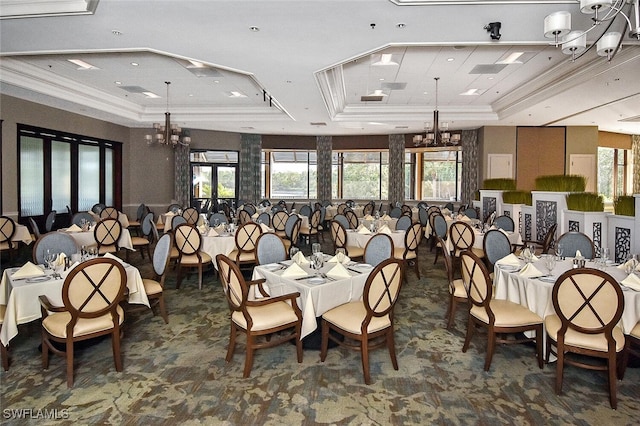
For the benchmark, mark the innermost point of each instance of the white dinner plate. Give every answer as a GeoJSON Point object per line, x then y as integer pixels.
{"type": "Point", "coordinates": [363, 266]}
{"type": "Point", "coordinates": [316, 280]}
{"type": "Point", "coordinates": [508, 268]}
{"type": "Point", "coordinates": [548, 279]}
{"type": "Point", "coordinates": [39, 279]}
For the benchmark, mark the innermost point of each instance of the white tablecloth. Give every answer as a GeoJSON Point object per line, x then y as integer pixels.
{"type": "Point", "coordinates": [214, 246]}
{"type": "Point", "coordinates": [23, 306]}
{"type": "Point", "coordinates": [332, 210]}
{"type": "Point", "coordinates": [85, 238]}
{"type": "Point", "coordinates": [22, 234]}
{"type": "Point", "coordinates": [356, 239]}
{"type": "Point", "coordinates": [535, 294]}
{"type": "Point", "coordinates": [122, 218]}
{"type": "Point", "coordinates": [315, 299]}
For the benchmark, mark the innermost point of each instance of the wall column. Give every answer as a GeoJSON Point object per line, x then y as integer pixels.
{"type": "Point", "coordinates": [396, 169]}
{"type": "Point", "coordinates": [250, 167]}
{"type": "Point", "coordinates": [324, 146]}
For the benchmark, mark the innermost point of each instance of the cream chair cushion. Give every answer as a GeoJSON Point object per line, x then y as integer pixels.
{"type": "Point", "coordinates": [459, 290]}
{"type": "Point", "coordinates": [56, 323]}
{"type": "Point", "coordinates": [192, 259]}
{"type": "Point", "coordinates": [349, 317]}
{"type": "Point", "coordinates": [244, 256]}
{"type": "Point", "coordinates": [151, 286]}
{"type": "Point", "coordinates": [266, 316]}
{"type": "Point", "coordinates": [636, 331]}
{"type": "Point", "coordinates": [398, 253]}
{"type": "Point", "coordinates": [507, 314]}
{"type": "Point", "coordinates": [354, 251]}
{"type": "Point", "coordinates": [595, 342]}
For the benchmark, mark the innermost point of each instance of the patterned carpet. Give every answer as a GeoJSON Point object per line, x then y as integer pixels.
{"type": "Point", "coordinates": [176, 373]}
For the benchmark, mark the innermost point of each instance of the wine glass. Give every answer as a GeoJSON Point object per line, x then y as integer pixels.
{"type": "Point", "coordinates": [315, 248]}
{"type": "Point", "coordinates": [50, 259]}
{"type": "Point", "coordinates": [526, 254]}
{"type": "Point", "coordinates": [560, 251]}
{"type": "Point", "coordinates": [293, 251]}
{"type": "Point", "coordinates": [550, 263]}
{"type": "Point", "coordinates": [83, 253]}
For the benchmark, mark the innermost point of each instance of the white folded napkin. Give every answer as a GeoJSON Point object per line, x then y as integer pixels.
{"type": "Point", "coordinates": [60, 259]}
{"type": "Point", "coordinates": [368, 217]}
{"type": "Point", "coordinates": [384, 229]}
{"type": "Point", "coordinates": [464, 218]}
{"type": "Point", "coordinates": [509, 260]}
{"type": "Point", "coordinates": [27, 270]}
{"type": "Point", "coordinates": [629, 263]}
{"type": "Point", "coordinates": [530, 271]}
{"type": "Point", "coordinates": [338, 271]}
{"type": "Point", "coordinates": [110, 256]}
{"type": "Point", "coordinates": [212, 233]}
{"type": "Point", "coordinates": [340, 258]}
{"type": "Point", "coordinates": [363, 230]}
{"type": "Point", "coordinates": [73, 228]}
{"type": "Point", "coordinates": [445, 211]}
{"type": "Point", "coordinates": [578, 255]}
{"type": "Point", "coordinates": [202, 229]}
{"type": "Point", "coordinates": [505, 232]}
{"type": "Point", "coordinates": [169, 214]}
{"type": "Point", "coordinates": [265, 228]}
{"type": "Point", "coordinates": [385, 217]}
{"type": "Point", "coordinates": [294, 271]}
{"type": "Point", "coordinates": [493, 227]}
{"type": "Point", "coordinates": [632, 281]}
{"type": "Point", "coordinates": [300, 259]}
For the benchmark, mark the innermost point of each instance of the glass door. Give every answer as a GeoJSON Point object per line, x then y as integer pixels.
{"type": "Point", "coordinates": [212, 184]}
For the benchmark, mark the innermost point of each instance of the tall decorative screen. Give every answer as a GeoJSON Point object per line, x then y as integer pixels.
{"type": "Point", "coordinates": [635, 149]}
{"type": "Point", "coordinates": [469, 143]}
{"type": "Point", "coordinates": [324, 145]}
{"type": "Point", "coordinates": [182, 186]}
{"type": "Point", "coordinates": [396, 169]}
{"type": "Point", "coordinates": [250, 167]}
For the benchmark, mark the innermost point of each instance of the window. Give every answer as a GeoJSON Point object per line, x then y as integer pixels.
{"type": "Point", "coordinates": [441, 173]}
{"type": "Point", "coordinates": [365, 175]}
{"type": "Point", "coordinates": [57, 170]}
{"type": "Point", "coordinates": [292, 174]}
{"type": "Point", "coordinates": [614, 172]}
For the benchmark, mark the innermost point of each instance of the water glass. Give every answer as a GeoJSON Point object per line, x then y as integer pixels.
{"type": "Point", "coordinates": [560, 251]}
{"type": "Point", "coordinates": [550, 263]}
{"type": "Point", "coordinates": [341, 250]}
{"type": "Point", "coordinates": [315, 248]}
{"type": "Point", "coordinates": [605, 254]}
{"type": "Point", "coordinates": [293, 251]}
{"type": "Point", "coordinates": [317, 260]}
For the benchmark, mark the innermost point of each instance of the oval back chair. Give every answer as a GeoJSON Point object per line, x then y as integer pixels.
{"type": "Point", "coordinates": [571, 242]}
{"type": "Point", "coordinates": [53, 242]}
{"type": "Point", "coordinates": [270, 249]}
{"type": "Point", "coordinates": [378, 249]}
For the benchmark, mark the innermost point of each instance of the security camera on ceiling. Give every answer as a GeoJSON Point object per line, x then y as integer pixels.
{"type": "Point", "coordinates": [494, 29]}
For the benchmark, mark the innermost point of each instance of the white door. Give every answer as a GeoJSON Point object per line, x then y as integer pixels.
{"type": "Point", "coordinates": [584, 165]}
{"type": "Point", "coordinates": [500, 166]}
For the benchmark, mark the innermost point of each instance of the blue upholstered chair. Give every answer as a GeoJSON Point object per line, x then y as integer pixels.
{"type": "Point", "coordinates": [571, 242]}
{"type": "Point", "coordinates": [270, 249]}
{"type": "Point", "coordinates": [378, 249]}
{"type": "Point", "coordinates": [56, 242]}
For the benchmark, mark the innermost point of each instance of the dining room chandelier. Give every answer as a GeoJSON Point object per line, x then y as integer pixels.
{"type": "Point", "coordinates": [436, 133]}
{"type": "Point", "coordinates": [168, 134]}
{"type": "Point", "coordinates": [604, 14]}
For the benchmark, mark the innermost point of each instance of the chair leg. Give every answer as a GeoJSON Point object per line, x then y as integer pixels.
{"type": "Point", "coordinates": [69, 356]}
{"type": "Point", "coordinates": [539, 338]}
{"type": "Point", "coordinates": [364, 348]}
{"type": "Point", "coordinates": [451, 312]}
{"type": "Point", "coordinates": [115, 345]}
{"type": "Point", "coordinates": [559, 367]}
{"type": "Point", "coordinates": [470, 330]}
{"type": "Point", "coordinates": [324, 344]}
{"type": "Point", "coordinates": [391, 344]}
{"type": "Point", "coordinates": [232, 343]}
{"type": "Point", "coordinates": [200, 276]}
{"type": "Point", "coordinates": [163, 309]}
{"type": "Point", "coordinates": [5, 357]}
{"type": "Point", "coordinates": [248, 362]}
{"type": "Point", "coordinates": [491, 347]}
{"type": "Point", "coordinates": [179, 278]}
{"type": "Point", "coordinates": [611, 373]}
{"type": "Point", "coordinates": [299, 342]}
{"type": "Point", "coordinates": [416, 267]}
{"type": "Point", "coordinates": [45, 353]}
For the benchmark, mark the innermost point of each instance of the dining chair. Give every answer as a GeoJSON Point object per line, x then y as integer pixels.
{"type": "Point", "coordinates": [246, 239]}
{"type": "Point", "coordinates": [188, 241]}
{"type": "Point", "coordinates": [80, 217]}
{"type": "Point", "coordinates": [339, 239]}
{"type": "Point", "coordinates": [266, 316]}
{"type": "Point", "coordinates": [279, 222]}
{"type": "Point", "coordinates": [352, 219]}
{"type": "Point", "coordinates": [264, 203]}
{"type": "Point", "coordinates": [588, 305]}
{"type": "Point", "coordinates": [546, 243]}
{"type": "Point", "coordinates": [177, 221]}
{"type": "Point", "coordinates": [504, 222]}
{"type": "Point", "coordinates": [53, 242]}
{"type": "Point", "coordinates": [97, 208]}
{"type": "Point", "coordinates": [471, 213]}
{"type": "Point", "coordinates": [7, 230]}
{"type": "Point", "coordinates": [406, 210]}
{"type": "Point", "coordinates": [264, 218]}
{"type": "Point", "coordinates": [343, 220]}
{"type": "Point", "coordinates": [439, 230]}
{"type": "Point", "coordinates": [449, 206]}
{"type": "Point", "coordinates": [342, 207]}
{"type": "Point", "coordinates": [369, 321]}
{"type": "Point", "coordinates": [270, 249]}
{"type": "Point", "coordinates": [249, 208]}
{"type": "Point", "coordinates": [191, 215]}
{"type": "Point", "coordinates": [305, 210]}
{"type": "Point", "coordinates": [292, 231]}
{"type": "Point", "coordinates": [35, 228]}
{"type": "Point", "coordinates": [423, 217]}
{"type": "Point", "coordinates": [141, 212]}
{"type": "Point", "coordinates": [106, 234]}
{"type": "Point", "coordinates": [350, 203]}
{"type": "Point", "coordinates": [500, 317]}
{"type": "Point", "coordinates": [244, 216]}
{"type": "Point", "coordinates": [409, 253]}
{"type": "Point", "coordinates": [326, 203]}
{"type": "Point", "coordinates": [109, 213]}
{"type": "Point", "coordinates": [91, 296]}
{"type": "Point", "coordinates": [4, 353]}
{"type": "Point", "coordinates": [572, 241]}
{"type": "Point", "coordinates": [220, 217]}
{"type": "Point", "coordinates": [50, 221]}
{"type": "Point", "coordinates": [312, 230]}
{"type": "Point", "coordinates": [395, 212]}
{"type": "Point", "coordinates": [283, 203]}
{"type": "Point", "coordinates": [496, 245]}
{"type": "Point", "coordinates": [368, 208]}
{"type": "Point", "coordinates": [378, 249]}
{"type": "Point", "coordinates": [462, 238]}
{"type": "Point", "coordinates": [154, 287]}
{"type": "Point", "coordinates": [174, 208]}
{"type": "Point", "coordinates": [457, 290]}
{"type": "Point", "coordinates": [404, 223]}
{"type": "Point", "coordinates": [140, 243]}
{"type": "Point", "coordinates": [277, 208]}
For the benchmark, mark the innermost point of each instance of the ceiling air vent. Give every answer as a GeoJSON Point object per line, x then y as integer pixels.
{"type": "Point", "coordinates": [394, 86]}
{"type": "Point", "coordinates": [133, 89]}
{"type": "Point", "coordinates": [371, 98]}
{"type": "Point", "coordinates": [487, 69]}
{"type": "Point", "coordinates": [318, 123]}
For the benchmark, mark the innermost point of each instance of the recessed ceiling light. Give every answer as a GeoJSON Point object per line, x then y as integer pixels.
{"type": "Point", "coordinates": [195, 64]}
{"type": "Point", "coordinates": [425, 93]}
{"type": "Point", "coordinates": [385, 59]}
{"type": "Point", "coordinates": [401, 25]}
{"type": "Point", "coordinates": [472, 92]}
{"type": "Point", "coordinates": [82, 65]}
{"type": "Point", "coordinates": [512, 58]}
{"type": "Point", "coordinates": [135, 64]}
{"type": "Point", "coordinates": [450, 59]}
{"type": "Point", "coordinates": [118, 82]}
{"type": "Point", "coordinates": [216, 81]}
{"type": "Point", "coordinates": [490, 78]}
{"type": "Point", "coordinates": [150, 95]}
{"type": "Point", "coordinates": [381, 79]}
{"type": "Point", "coordinates": [236, 94]}
{"type": "Point", "coordinates": [191, 95]}
{"type": "Point", "coordinates": [254, 29]}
